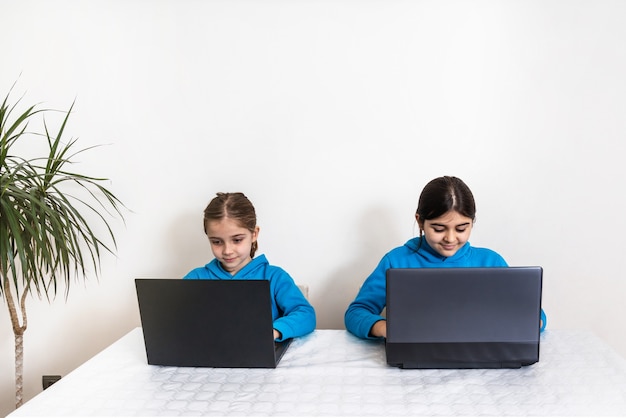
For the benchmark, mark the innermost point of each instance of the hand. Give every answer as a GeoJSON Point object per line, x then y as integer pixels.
{"type": "Point", "coordinates": [379, 329]}
{"type": "Point", "coordinates": [277, 334]}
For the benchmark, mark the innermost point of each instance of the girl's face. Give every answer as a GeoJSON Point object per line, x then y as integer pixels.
{"type": "Point", "coordinates": [231, 243]}
{"type": "Point", "coordinates": [447, 233]}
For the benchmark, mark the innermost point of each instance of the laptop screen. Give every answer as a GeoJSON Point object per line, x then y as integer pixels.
{"type": "Point", "coordinates": [463, 317]}
{"type": "Point", "coordinates": [207, 323]}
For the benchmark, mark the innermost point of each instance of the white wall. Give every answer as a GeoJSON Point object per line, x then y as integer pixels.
{"type": "Point", "coordinates": [331, 116]}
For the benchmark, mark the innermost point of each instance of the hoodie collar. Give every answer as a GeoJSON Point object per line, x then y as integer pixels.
{"type": "Point", "coordinates": [421, 247]}
{"type": "Point", "coordinates": [216, 268]}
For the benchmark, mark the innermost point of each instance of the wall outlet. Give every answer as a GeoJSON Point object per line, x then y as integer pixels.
{"type": "Point", "coordinates": [47, 381]}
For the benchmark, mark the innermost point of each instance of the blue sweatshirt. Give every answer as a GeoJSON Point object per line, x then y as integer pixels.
{"type": "Point", "coordinates": [293, 314]}
{"type": "Point", "coordinates": [366, 308]}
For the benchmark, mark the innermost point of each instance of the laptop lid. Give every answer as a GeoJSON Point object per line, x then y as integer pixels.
{"type": "Point", "coordinates": [463, 317]}
{"type": "Point", "coordinates": [208, 323]}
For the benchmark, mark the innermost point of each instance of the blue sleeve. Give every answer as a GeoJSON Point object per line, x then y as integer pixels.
{"type": "Point", "coordinates": [296, 315]}
{"type": "Point", "coordinates": [369, 303]}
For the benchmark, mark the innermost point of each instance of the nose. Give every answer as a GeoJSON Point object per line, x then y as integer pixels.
{"type": "Point", "coordinates": [450, 236]}
{"type": "Point", "coordinates": [227, 248]}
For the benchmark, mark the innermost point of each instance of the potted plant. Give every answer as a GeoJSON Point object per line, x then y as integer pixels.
{"type": "Point", "coordinates": [47, 235]}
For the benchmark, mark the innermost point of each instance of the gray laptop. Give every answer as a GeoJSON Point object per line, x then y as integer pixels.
{"type": "Point", "coordinates": [463, 317]}
{"type": "Point", "coordinates": [208, 323]}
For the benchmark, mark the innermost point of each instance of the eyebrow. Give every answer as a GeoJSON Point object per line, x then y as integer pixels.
{"type": "Point", "coordinates": [456, 226]}
{"type": "Point", "coordinates": [231, 237]}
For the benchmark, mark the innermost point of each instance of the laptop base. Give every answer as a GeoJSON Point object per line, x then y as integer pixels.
{"type": "Point", "coordinates": [462, 355]}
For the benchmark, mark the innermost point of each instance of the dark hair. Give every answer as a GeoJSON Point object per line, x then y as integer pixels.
{"type": "Point", "coordinates": [235, 206]}
{"type": "Point", "coordinates": [444, 194]}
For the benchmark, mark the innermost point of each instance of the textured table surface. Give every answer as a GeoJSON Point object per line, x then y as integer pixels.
{"type": "Point", "coordinates": [332, 373]}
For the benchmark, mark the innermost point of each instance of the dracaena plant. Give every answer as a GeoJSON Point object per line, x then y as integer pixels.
{"type": "Point", "coordinates": [48, 216]}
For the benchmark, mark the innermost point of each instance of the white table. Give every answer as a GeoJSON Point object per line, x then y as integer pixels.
{"type": "Point", "coordinates": [332, 373]}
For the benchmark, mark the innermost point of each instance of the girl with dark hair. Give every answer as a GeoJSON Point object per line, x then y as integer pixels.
{"type": "Point", "coordinates": [445, 216]}
{"type": "Point", "coordinates": [230, 224]}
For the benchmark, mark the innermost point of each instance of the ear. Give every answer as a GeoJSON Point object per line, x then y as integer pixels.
{"type": "Point", "coordinates": [420, 222]}
{"type": "Point", "coordinates": [255, 233]}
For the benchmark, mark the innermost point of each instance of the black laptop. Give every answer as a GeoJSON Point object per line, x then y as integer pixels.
{"type": "Point", "coordinates": [442, 318]}
{"type": "Point", "coordinates": [208, 323]}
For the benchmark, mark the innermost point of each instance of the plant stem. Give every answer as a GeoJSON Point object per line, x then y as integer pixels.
{"type": "Point", "coordinates": [19, 369]}
{"type": "Point", "coordinates": [18, 332]}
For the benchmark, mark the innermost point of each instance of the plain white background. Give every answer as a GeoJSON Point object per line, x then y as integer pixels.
{"type": "Point", "coordinates": [331, 116]}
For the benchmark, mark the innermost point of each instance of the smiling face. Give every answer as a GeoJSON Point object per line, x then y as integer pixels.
{"type": "Point", "coordinates": [447, 233]}
{"type": "Point", "coordinates": [231, 243]}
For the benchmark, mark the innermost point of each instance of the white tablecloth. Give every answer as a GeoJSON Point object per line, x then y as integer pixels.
{"type": "Point", "coordinates": [331, 372]}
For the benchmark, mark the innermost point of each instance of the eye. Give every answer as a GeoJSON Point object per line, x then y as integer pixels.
{"type": "Point", "coordinates": [461, 229]}
{"type": "Point", "coordinates": [237, 240]}
{"type": "Point", "coordinates": [439, 230]}
{"type": "Point", "coordinates": [215, 242]}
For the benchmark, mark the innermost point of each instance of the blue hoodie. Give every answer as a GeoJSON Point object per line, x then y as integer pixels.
{"type": "Point", "coordinates": [366, 308]}
{"type": "Point", "coordinates": [293, 314]}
